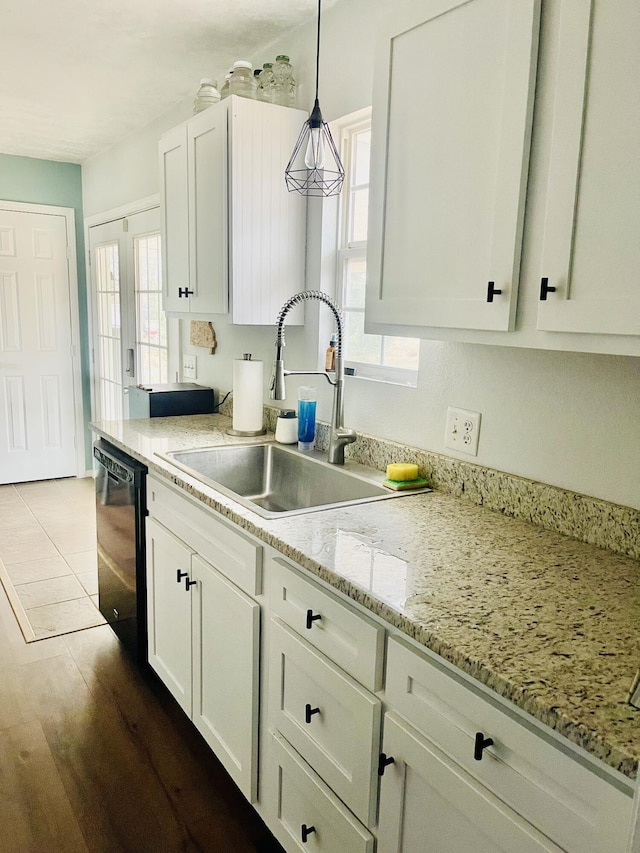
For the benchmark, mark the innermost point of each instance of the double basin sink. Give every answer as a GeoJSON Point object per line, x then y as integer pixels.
{"type": "Point", "coordinates": [276, 481]}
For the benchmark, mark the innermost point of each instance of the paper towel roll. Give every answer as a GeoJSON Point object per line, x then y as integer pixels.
{"type": "Point", "coordinates": [248, 391]}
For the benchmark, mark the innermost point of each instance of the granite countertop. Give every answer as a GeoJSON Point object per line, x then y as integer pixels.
{"type": "Point", "coordinates": [548, 622]}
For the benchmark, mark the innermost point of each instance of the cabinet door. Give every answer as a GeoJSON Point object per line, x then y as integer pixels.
{"type": "Point", "coordinates": [591, 250]}
{"type": "Point", "coordinates": [226, 647]}
{"type": "Point", "coordinates": [207, 165]}
{"type": "Point", "coordinates": [430, 804]}
{"type": "Point", "coordinates": [174, 212]}
{"type": "Point", "coordinates": [453, 102]}
{"type": "Point", "coordinates": [169, 611]}
{"type": "Point", "coordinates": [268, 223]}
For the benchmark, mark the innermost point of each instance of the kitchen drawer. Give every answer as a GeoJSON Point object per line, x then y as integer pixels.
{"type": "Point", "coordinates": [331, 720]}
{"type": "Point", "coordinates": [296, 797]}
{"type": "Point", "coordinates": [350, 639]}
{"type": "Point", "coordinates": [565, 798]}
{"type": "Point", "coordinates": [233, 553]}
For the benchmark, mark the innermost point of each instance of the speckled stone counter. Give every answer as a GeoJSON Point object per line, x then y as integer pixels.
{"type": "Point", "coordinates": [548, 622]}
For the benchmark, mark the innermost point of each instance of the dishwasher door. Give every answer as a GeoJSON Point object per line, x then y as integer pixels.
{"type": "Point", "coordinates": [120, 514]}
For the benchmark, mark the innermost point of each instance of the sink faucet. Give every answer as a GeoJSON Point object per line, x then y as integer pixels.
{"type": "Point", "coordinates": [340, 436]}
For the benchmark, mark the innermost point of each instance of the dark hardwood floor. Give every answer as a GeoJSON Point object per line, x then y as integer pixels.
{"type": "Point", "coordinates": [94, 756]}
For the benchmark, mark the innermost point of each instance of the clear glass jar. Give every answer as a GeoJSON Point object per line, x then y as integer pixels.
{"type": "Point", "coordinates": [206, 96]}
{"type": "Point", "coordinates": [267, 84]}
{"type": "Point", "coordinates": [285, 86]}
{"type": "Point", "coordinates": [242, 80]}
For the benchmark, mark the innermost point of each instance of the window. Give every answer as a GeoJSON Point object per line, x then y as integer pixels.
{"type": "Point", "coordinates": [382, 357]}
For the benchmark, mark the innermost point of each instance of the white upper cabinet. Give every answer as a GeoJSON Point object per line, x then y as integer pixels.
{"type": "Point", "coordinates": [591, 246]}
{"type": "Point", "coordinates": [234, 238]}
{"type": "Point", "coordinates": [454, 93]}
{"type": "Point", "coordinates": [448, 186]}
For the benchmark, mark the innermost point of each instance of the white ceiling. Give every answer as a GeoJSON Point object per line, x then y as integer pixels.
{"type": "Point", "coordinates": [77, 75]}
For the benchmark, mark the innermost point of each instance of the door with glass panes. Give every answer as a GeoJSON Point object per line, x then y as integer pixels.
{"type": "Point", "coordinates": [130, 330]}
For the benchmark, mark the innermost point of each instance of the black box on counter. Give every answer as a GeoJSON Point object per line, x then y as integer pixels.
{"type": "Point", "coordinates": [162, 401]}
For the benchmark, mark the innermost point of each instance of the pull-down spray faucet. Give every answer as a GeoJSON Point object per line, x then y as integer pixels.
{"type": "Point", "coordinates": [339, 436]}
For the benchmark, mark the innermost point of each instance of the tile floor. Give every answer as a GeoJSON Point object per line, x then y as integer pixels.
{"type": "Point", "coordinates": [48, 548]}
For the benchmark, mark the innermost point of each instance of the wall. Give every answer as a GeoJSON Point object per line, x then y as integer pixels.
{"type": "Point", "coordinates": [58, 184]}
{"type": "Point", "coordinates": [568, 419]}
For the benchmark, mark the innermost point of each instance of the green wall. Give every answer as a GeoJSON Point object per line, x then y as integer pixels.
{"type": "Point", "coordinates": [58, 184]}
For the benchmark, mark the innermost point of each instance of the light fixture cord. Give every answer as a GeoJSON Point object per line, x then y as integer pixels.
{"type": "Point", "coordinates": [318, 51]}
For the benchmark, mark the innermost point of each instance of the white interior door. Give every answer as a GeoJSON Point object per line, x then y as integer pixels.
{"type": "Point", "coordinates": [130, 338]}
{"type": "Point", "coordinates": [37, 351]}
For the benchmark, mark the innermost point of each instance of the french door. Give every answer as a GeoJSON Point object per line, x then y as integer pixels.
{"type": "Point", "coordinates": [130, 330]}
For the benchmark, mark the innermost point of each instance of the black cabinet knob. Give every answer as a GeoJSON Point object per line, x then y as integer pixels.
{"type": "Point", "coordinates": [184, 291]}
{"type": "Point", "coordinates": [189, 583]}
{"type": "Point", "coordinates": [180, 574]}
{"type": "Point", "coordinates": [311, 618]}
{"type": "Point", "coordinates": [306, 832]}
{"type": "Point", "coordinates": [545, 289]}
{"type": "Point", "coordinates": [492, 291]}
{"type": "Point", "coordinates": [481, 743]}
{"type": "Point", "coordinates": [309, 712]}
{"type": "Point", "coordinates": [384, 761]}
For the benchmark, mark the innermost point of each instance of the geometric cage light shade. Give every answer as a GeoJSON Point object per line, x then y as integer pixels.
{"type": "Point", "coordinates": [315, 168]}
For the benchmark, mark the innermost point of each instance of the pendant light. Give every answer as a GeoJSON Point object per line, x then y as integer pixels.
{"type": "Point", "coordinates": [315, 168]}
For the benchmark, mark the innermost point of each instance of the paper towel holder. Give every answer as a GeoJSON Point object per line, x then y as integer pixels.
{"type": "Point", "coordinates": [246, 356]}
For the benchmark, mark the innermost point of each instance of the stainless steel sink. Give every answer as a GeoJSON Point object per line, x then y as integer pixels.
{"type": "Point", "coordinates": [276, 481]}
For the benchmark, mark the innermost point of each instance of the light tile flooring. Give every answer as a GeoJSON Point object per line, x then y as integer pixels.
{"type": "Point", "coordinates": [48, 549]}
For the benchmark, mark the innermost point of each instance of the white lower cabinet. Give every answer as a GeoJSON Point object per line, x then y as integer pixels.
{"type": "Point", "coordinates": [204, 643]}
{"type": "Point", "coordinates": [478, 750]}
{"type": "Point", "coordinates": [458, 769]}
{"type": "Point", "coordinates": [428, 803]}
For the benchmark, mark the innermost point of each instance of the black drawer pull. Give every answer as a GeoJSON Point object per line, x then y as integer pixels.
{"type": "Point", "coordinates": [384, 761]}
{"type": "Point", "coordinates": [545, 289]}
{"type": "Point", "coordinates": [492, 291]}
{"type": "Point", "coordinates": [189, 583]}
{"type": "Point", "coordinates": [311, 618]}
{"type": "Point", "coordinates": [184, 291]}
{"type": "Point", "coordinates": [480, 745]}
{"type": "Point", "coordinates": [309, 712]}
{"type": "Point", "coordinates": [306, 832]}
{"type": "Point", "coordinates": [180, 574]}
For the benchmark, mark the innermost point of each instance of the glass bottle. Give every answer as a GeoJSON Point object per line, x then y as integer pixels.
{"type": "Point", "coordinates": [285, 82]}
{"type": "Point", "coordinates": [267, 84]}
{"type": "Point", "coordinates": [242, 81]}
{"type": "Point", "coordinates": [206, 96]}
{"type": "Point", "coordinates": [224, 91]}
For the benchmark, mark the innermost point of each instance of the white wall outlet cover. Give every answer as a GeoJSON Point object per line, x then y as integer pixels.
{"type": "Point", "coordinates": [462, 431]}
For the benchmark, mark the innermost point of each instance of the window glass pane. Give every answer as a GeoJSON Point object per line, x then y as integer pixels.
{"type": "Point", "coordinates": [359, 215]}
{"type": "Point", "coordinates": [401, 352]}
{"type": "Point", "coordinates": [151, 323]}
{"type": "Point", "coordinates": [362, 153]}
{"type": "Point", "coordinates": [355, 277]}
{"type": "Point", "coordinates": [360, 347]}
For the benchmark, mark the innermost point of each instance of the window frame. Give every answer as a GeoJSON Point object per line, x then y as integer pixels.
{"type": "Point", "coordinates": [347, 250]}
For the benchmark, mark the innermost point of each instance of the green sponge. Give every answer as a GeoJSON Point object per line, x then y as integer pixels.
{"type": "Point", "coordinates": [398, 485]}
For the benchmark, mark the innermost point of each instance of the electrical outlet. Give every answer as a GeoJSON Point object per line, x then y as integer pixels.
{"type": "Point", "coordinates": [189, 370]}
{"type": "Point", "coordinates": [463, 431]}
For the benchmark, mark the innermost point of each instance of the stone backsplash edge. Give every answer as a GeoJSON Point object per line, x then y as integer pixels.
{"type": "Point", "coordinates": [597, 522]}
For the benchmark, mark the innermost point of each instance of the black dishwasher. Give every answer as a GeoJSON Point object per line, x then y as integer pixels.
{"type": "Point", "coordinates": [121, 508]}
